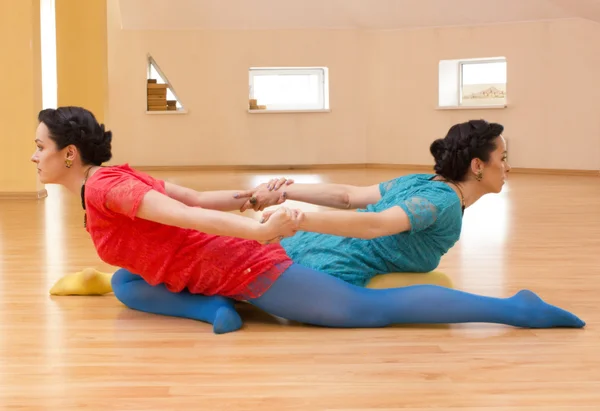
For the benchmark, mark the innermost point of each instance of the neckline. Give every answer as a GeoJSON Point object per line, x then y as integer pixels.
{"type": "Point", "coordinates": [446, 183]}
{"type": "Point", "coordinates": [82, 193]}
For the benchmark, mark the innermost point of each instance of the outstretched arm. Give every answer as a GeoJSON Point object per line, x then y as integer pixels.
{"type": "Point", "coordinates": [366, 225]}
{"type": "Point", "coordinates": [342, 196]}
{"type": "Point", "coordinates": [166, 210]}
{"type": "Point", "coordinates": [222, 200]}
{"type": "Point", "coordinates": [413, 215]}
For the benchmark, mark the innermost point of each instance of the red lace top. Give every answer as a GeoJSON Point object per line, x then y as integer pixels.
{"type": "Point", "coordinates": [161, 254]}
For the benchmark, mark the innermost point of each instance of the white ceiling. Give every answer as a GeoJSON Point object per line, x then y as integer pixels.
{"type": "Point", "coordinates": [343, 14]}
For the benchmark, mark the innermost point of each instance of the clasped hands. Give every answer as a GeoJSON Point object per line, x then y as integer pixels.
{"type": "Point", "coordinates": [265, 195]}
{"type": "Point", "coordinates": [280, 223]}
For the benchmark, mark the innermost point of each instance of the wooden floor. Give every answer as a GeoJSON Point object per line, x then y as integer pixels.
{"type": "Point", "coordinates": [91, 353]}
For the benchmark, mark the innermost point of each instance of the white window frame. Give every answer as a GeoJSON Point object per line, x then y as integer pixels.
{"type": "Point", "coordinates": [323, 98]}
{"type": "Point", "coordinates": [171, 94]}
{"type": "Point", "coordinates": [450, 91]}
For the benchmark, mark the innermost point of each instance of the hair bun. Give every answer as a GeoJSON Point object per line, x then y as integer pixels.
{"type": "Point", "coordinates": [106, 134]}
{"type": "Point", "coordinates": [438, 148]}
{"type": "Point", "coordinates": [103, 151]}
{"type": "Point", "coordinates": [107, 137]}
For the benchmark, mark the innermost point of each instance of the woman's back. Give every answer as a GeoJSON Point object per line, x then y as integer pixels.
{"type": "Point", "coordinates": [180, 258]}
{"type": "Point", "coordinates": [435, 212]}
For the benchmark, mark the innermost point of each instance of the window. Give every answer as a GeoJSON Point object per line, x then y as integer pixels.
{"type": "Point", "coordinates": [288, 89]}
{"type": "Point", "coordinates": [160, 94]}
{"type": "Point", "coordinates": [483, 82]}
{"type": "Point", "coordinates": [48, 53]}
{"type": "Point", "coordinates": [472, 83]}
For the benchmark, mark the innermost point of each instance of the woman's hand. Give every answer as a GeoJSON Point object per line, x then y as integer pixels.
{"type": "Point", "coordinates": [265, 195]}
{"type": "Point", "coordinates": [276, 183]}
{"type": "Point", "coordinates": [281, 223]}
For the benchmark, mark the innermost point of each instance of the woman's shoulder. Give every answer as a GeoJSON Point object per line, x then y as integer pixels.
{"type": "Point", "coordinates": [116, 169]}
{"type": "Point", "coordinates": [119, 171]}
{"type": "Point", "coordinates": [406, 183]}
{"type": "Point", "coordinates": [419, 186]}
{"type": "Point", "coordinates": [110, 176]}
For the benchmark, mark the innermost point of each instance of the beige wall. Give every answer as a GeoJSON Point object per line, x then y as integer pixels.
{"type": "Point", "coordinates": [383, 94]}
{"type": "Point", "coordinates": [81, 54]}
{"type": "Point", "coordinates": [21, 79]}
{"type": "Point", "coordinates": [552, 116]}
{"type": "Point", "coordinates": [209, 71]}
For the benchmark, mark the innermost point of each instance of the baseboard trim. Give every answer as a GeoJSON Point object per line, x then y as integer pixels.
{"type": "Point", "coordinates": [412, 167]}
{"type": "Point", "coordinates": [251, 167]}
{"type": "Point", "coordinates": [556, 171]}
{"type": "Point", "coordinates": [25, 195]}
{"type": "Point", "coordinates": [354, 166]}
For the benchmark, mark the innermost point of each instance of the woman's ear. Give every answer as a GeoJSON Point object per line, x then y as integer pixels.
{"type": "Point", "coordinates": [71, 152]}
{"type": "Point", "coordinates": [476, 166]}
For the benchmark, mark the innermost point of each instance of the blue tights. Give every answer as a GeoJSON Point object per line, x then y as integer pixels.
{"type": "Point", "coordinates": [312, 297]}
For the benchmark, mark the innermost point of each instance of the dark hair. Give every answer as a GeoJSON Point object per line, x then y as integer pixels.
{"type": "Point", "coordinates": [78, 126]}
{"type": "Point", "coordinates": [463, 143]}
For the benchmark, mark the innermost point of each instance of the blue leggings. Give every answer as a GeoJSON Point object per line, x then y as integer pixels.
{"type": "Point", "coordinates": [312, 297]}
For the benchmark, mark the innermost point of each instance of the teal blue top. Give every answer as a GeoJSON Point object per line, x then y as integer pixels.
{"type": "Point", "coordinates": [435, 213]}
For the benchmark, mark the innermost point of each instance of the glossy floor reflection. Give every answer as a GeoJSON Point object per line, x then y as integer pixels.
{"type": "Point", "coordinates": [541, 233]}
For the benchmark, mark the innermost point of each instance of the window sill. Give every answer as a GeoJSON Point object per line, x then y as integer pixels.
{"type": "Point", "coordinates": [257, 111]}
{"type": "Point", "coordinates": [486, 107]}
{"type": "Point", "coordinates": [163, 112]}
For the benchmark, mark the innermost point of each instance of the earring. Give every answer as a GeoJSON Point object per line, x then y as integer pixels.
{"type": "Point", "coordinates": [68, 163]}
{"type": "Point", "coordinates": [479, 175]}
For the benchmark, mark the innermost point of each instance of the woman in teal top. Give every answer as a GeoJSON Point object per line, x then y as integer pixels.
{"type": "Point", "coordinates": [435, 214]}
{"type": "Point", "coordinates": [469, 163]}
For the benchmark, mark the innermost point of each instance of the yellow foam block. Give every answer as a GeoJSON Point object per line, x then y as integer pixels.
{"type": "Point", "coordinates": [393, 280]}
{"type": "Point", "coordinates": [86, 282]}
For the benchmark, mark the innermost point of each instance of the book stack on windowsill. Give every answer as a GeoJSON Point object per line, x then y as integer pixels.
{"type": "Point", "coordinates": [157, 97]}
{"type": "Point", "coordinates": [253, 105]}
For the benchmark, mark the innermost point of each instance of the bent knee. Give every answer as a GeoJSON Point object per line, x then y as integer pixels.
{"type": "Point", "coordinates": [122, 277]}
